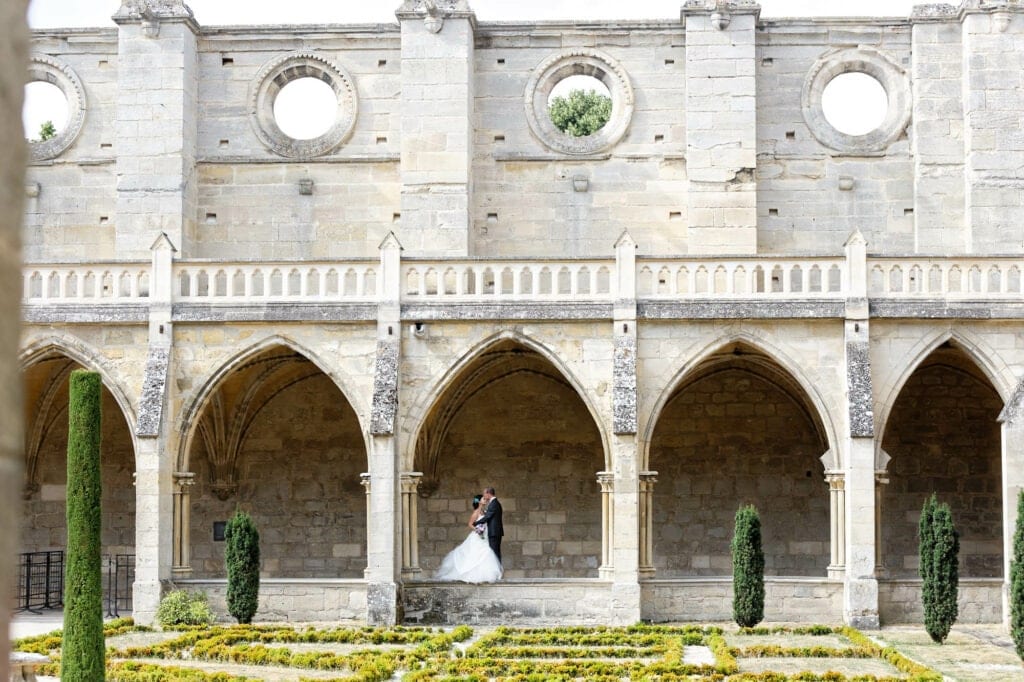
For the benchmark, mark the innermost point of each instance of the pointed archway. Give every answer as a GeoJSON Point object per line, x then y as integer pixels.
{"type": "Point", "coordinates": [45, 379]}
{"type": "Point", "coordinates": [738, 429]}
{"type": "Point", "coordinates": [942, 435]}
{"type": "Point", "coordinates": [510, 419]}
{"type": "Point", "coordinates": [276, 437]}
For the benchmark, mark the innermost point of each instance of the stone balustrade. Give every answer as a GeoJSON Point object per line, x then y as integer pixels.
{"type": "Point", "coordinates": [996, 278]}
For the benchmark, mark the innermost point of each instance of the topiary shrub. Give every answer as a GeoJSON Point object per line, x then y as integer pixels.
{"type": "Point", "coordinates": [1017, 581]}
{"type": "Point", "coordinates": [747, 569]}
{"type": "Point", "coordinates": [181, 607]}
{"type": "Point", "coordinates": [242, 556]}
{"type": "Point", "coordinates": [940, 573]}
{"type": "Point", "coordinates": [83, 652]}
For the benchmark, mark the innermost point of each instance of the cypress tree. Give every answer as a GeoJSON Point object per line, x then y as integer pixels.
{"type": "Point", "coordinates": [940, 573]}
{"type": "Point", "coordinates": [1017, 581]}
{"type": "Point", "coordinates": [83, 650]}
{"type": "Point", "coordinates": [242, 556]}
{"type": "Point", "coordinates": [747, 569]}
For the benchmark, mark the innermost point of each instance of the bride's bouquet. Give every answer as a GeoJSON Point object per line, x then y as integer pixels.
{"type": "Point", "coordinates": [480, 529]}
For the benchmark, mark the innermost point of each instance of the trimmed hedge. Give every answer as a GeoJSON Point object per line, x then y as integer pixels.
{"type": "Point", "coordinates": [83, 655]}
{"type": "Point", "coordinates": [1017, 581]}
{"type": "Point", "coordinates": [747, 569]}
{"type": "Point", "coordinates": [940, 549]}
{"type": "Point", "coordinates": [242, 556]}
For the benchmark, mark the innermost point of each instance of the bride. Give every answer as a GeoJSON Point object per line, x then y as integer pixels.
{"type": "Point", "coordinates": [473, 561]}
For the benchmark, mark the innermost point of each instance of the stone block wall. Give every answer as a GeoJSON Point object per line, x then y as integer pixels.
{"type": "Point", "coordinates": [734, 438]}
{"type": "Point", "coordinates": [944, 438]}
{"type": "Point", "coordinates": [298, 476]}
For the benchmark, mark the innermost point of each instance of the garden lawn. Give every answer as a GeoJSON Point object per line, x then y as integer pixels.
{"type": "Point", "coordinates": [288, 653]}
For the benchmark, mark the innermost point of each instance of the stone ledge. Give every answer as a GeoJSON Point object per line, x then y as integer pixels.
{"type": "Point", "coordinates": [740, 309]}
{"type": "Point", "coordinates": [274, 312]}
{"type": "Point", "coordinates": [932, 309]}
{"type": "Point", "coordinates": [507, 311]}
{"type": "Point", "coordinates": [85, 313]}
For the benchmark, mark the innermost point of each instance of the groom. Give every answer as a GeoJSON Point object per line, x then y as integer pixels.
{"type": "Point", "coordinates": [492, 518]}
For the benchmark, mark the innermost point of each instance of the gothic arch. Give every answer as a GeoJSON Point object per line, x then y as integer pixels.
{"type": "Point", "coordinates": [187, 422]}
{"type": "Point", "coordinates": [984, 358]}
{"type": "Point", "coordinates": [423, 410]}
{"type": "Point", "coordinates": [823, 418]}
{"type": "Point", "coordinates": [87, 357]}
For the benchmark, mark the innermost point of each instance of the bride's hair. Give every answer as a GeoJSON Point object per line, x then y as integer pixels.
{"type": "Point", "coordinates": [476, 501]}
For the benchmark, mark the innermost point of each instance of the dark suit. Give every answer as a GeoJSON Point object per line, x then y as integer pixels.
{"type": "Point", "coordinates": [492, 519]}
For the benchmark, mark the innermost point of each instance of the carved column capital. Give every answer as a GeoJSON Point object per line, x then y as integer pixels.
{"type": "Point", "coordinates": [184, 480]}
{"type": "Point", "coordinates": [410, 481]}
{"type": "Point", "coordinates": [364, 480]}
{"type": "Point", "coordinates": [606, 479]}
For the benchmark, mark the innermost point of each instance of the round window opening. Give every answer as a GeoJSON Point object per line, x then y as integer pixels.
{"type": "Point", "coordinates": [45, 113]}
{"type": "Point", "coordinates": [580, 105]}
{"type": "Point", "coordinates": [303, 105]}
{"type": "Point", "coordinates": [855, 103]}
{"type": "Point", "coordinates": [579, 102]}
{"type": "Point", "coordinates": [305, 108]}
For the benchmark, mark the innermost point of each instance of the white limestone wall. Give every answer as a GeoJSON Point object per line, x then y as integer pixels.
{"type": "Point", "coordinates": [993, 94]}
{"type": "Point", "coordinates": [800, 205]}
{"type": "Point", "coordinates": [70, 205]}
{"type": "Point", "coordinates": [938, 138]}
{"type": "Point", "coordinates": [524, 199]}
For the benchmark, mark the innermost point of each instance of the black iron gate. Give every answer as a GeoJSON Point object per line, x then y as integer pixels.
{"type": "Point", "coordinates": [41, 582]}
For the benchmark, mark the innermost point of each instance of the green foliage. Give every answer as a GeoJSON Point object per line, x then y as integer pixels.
{"type": "Point", "coordinates": [747, 569]}
{"type": "Point", "coordinates": [47, 130]}
{"type": "Point", "coordinates": [1017, 581]}
{"type": "Point", "coordinates": [242, 556]}
{"type": "Point", "coordinates": [581, 113]}
{"type": "Point", "coordinates": [181, 607]}
{"type": "Point", "coordinates": [940, 549]}
{"type": "Point", "coordinates": [83, 653]}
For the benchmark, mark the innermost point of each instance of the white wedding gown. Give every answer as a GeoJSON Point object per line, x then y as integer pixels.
{"type": "Point", "coordinates": [471, 562]}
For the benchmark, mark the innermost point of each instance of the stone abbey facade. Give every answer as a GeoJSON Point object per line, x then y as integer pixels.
{"type": "Point", "coordinates": [716, 299]}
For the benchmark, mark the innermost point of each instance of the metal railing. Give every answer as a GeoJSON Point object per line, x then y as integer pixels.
{"type": "Point", "coordinates": [41, 582]}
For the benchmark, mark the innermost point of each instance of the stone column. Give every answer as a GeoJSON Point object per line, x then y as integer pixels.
{"type": "Point", "coordinates": [410, 524]}
{"type": "Point", "coordinates": [1012, 419]}
{"type": "Point", "coordinates": [437, 125]}
{"type": "Point", "coordinates": [606, 479]}
{"type": "Point", "coordinates": [881, 480]}
{"type": "Point", "coordinates": [860, 597]}
{"type": "Point", "coordinates": [721, 126]}
{"type": "Point", "coordinates": [993, 97]}
{"type": "Point", "coordinates": [157, 129]}
{"type": "Point", "coordinates": [383, 553]}
{"type": "Point", "coordinates": [182, 560]}
{"type": "Point", "coordinates": [837, 516]}
{"type": "Point", "coordinates": [364, 480]}
{"type": "Point", "coordinates": [647, 481]}
{"type": "Point", "coordinates": [13, 60]}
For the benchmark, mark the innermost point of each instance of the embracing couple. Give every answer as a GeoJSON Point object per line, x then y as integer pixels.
{"type": "Point", "coordinates": [478, 558]}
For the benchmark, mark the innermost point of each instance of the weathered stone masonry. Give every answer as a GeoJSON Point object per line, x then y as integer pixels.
{"type": "Point", "coordinates": [716, 299]}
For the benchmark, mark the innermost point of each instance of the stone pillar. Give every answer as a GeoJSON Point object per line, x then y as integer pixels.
{"type": "Point", "coordinates": [647, 481]}
{"type": "Point", "coordinates": [938, 146]}
{"type": "Point", "coordinates": [157, 130]}
{"type": "Point", "coordinates": [881, 480]}
{"type": "Point", "coordinates": [182, 560]}
{"type": "Point", "coordinates": [624, 450]}
{"type": "Point", "coordinates": [364, 480]}
{"type": "Point", "coordinates": [860, 603]}
{"type": "Point", "coordinates": [154, 458]}
{"type": "Point", "coordinates": [993, 97]}
{"type": "Point", "coordinates": [1012, 419]}
{"type": "Point", "coordinates": [437, 125]}
{"type": "Point", "coordinates": [721, 126]}
{"type": "Point", "coordinates": [410, 524]}
{"type": "Point", "coordinates": [13, 60]}
{"type": "Point", "coordinates": [383, 554]}
{"type": "Point", "coordinates": [606, 479]}
{"type": "Point", "coordinates": [837, 517]}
